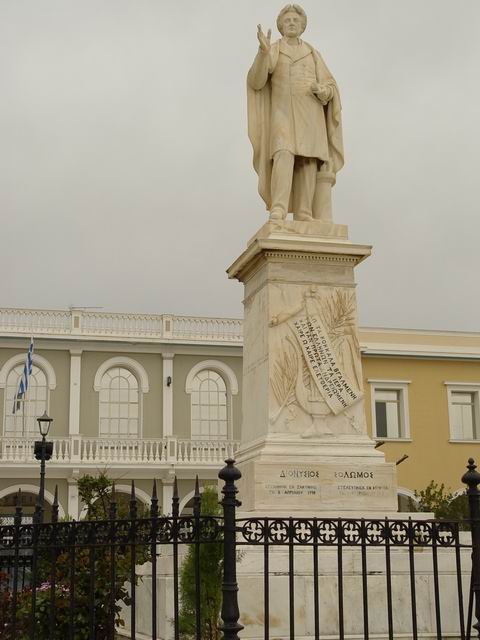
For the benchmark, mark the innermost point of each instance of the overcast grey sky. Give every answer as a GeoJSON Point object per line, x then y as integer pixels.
{"type": "Point", "coordinates": [125, 168]}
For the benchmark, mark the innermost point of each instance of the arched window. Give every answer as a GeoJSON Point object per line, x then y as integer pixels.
{"type": "Point", "coordinates": [28, 494]}
{"type": "Point", "coordinates": [119, 403]}
{"type": "Point", "coordinates": [211, 385]}
{"type": "Point", "coordinates": [21, 416]}
{"type": "Point", "coordinates": [209, 402]}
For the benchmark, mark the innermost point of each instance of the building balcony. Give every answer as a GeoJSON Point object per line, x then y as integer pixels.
{"type": "Point", "coordinates": [143, 455]}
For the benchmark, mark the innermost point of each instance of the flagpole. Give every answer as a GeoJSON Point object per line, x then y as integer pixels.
{"type": "Point", "coordinates": [21, 395]}
{"type": "Point", "coordinates": [24, 400]}
{"type": "Point", "coordinates": [25, 407]}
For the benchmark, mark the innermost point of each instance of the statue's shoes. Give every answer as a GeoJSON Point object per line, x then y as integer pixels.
{"type": "Point", "coordinates": [276, 214]}
{"type": "Point", "coordinates": [303, 217]}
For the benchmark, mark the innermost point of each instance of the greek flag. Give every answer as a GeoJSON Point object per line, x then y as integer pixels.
{"type": "Point", "coordinates": [23, 386]}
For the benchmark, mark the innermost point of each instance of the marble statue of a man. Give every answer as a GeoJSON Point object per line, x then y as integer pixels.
{"type": "Point", "coordinates": [294, 120]}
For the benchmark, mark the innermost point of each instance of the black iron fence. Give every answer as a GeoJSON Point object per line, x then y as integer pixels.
{"type": "Point", "coordinates": [310, 577]}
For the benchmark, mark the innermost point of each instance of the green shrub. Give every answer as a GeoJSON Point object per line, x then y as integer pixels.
{"type": "Point", "coordinates": [95, 492]}
{"type": "Point", "coordinates": [442, 502]}
{"type": "Point", "coordinates": [211, 577]}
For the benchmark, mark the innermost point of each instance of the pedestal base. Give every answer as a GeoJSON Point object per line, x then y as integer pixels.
{"type": "Point", "coordinates": [341, 475]}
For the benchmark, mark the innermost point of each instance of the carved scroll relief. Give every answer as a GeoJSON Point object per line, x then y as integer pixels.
{"type": "Point", "coordinates": [316, 373]}
{"type": "Point", "coordinates": [322, 363]}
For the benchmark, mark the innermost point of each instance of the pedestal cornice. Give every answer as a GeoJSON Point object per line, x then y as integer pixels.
{"type": "Point", "coordinates": [299, 249]}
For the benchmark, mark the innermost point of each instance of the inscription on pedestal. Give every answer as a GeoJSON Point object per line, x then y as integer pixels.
{"type": "Point", "coordinates": [326, 486]}
{"type": "Point", "coordinates": [322, 363]}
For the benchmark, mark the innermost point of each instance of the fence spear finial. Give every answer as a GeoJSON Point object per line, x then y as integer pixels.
{"type": "Point", "coordinates": [197, 499]}
{"type": "Point", "coordinates": [154, 501]}
{"type": "Point", "coordinates": [175, 499]}
{"type": "Point", "coordinates": [55, 505]}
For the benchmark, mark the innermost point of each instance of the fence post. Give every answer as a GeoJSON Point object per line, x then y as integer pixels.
{"type": "Point", "coordinates": [230, 612]}
{"type": "Point", "coordinates": [472, 479]}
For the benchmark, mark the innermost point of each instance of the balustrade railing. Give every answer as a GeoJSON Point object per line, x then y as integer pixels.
{"type": "Point", "coordinates": [122, 451]}
{"type": "Point", "coordinates": [78, 322]}
{"type": "Point", "coordinates": [223, 329]}
{"type": "Point", "coordinates": [115, 324]}
{"type": "Point", "coordinates": [34, 321]}
{"type": "Point", "coordinates": [20, 449]}
{"type": "Point", "coordinates": [195, 451]}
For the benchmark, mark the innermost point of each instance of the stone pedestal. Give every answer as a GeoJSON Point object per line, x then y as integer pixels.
{"type": "Point", "coordinates": [305, 446]}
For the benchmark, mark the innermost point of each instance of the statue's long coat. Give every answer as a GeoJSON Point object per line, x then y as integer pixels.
{"type": "Point", "coordinates": [283, 113]}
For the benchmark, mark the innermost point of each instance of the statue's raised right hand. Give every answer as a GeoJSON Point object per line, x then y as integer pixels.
{"type": "Point", "coordinates": [263, 39]}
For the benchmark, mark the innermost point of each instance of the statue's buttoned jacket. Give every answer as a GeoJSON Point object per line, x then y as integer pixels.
{"type": "Point", "coordinates": [297, 115]}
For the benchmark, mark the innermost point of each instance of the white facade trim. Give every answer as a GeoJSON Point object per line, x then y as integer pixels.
{"type": "Point", "coordinates": [467, 387]}
{"type": "Point", "coordinates": [394, 385]}
{"type": "Point", "coordinates": [38, 360]}
{"type": "Point", "coordinates": [471, 386]}
{"type": "Point", "coordinates": [381, 381]}
{"type": "Point", "coordinates": [167, 410]}
{"type": "Point", "coordinates": [408, 493]}
{"type": "Point", "coordinates": [32, 488]}
{"type": "Point", "coordinates": [167, 497]}
{"type": "Point", "coordinates": [74, 396]}
{"type": "Point", "coordinates": [216, 365]}
{"type": "Point", "coordinates": [72, 498]}
{"type": "Point", "coordinates": [122, 361]}
{"type": "Point", "coordinates": [186, 499]}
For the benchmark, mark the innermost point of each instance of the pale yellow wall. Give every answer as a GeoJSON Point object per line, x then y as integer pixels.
{"type": "Point", "coordinates": [181, 400]}
{"type": "Point", "coordinates": [152, 401]}
{"type": "Point", "coordinates": [431, 455]}
{"type": "Point", "coordinates": [59, 397]}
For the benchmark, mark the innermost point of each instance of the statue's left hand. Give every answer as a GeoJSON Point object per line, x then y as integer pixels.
{"type": "Point", "coordinates": [322, 91]}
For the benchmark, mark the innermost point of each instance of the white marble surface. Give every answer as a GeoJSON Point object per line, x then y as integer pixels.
{"type": "Point", "coordinates": [251, 592]}
{"type": "Point", "coordinates": [303, 401]}
{"type": "Point", "coordinates": [292, 283]}
{"type": "Point", "coordinates": [294, 122]}
{"type": "Point", "coordinates": [295, 485]}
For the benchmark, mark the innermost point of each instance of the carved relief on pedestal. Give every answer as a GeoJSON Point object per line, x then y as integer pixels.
{"type": "Point", "coordinates": [315, 375]}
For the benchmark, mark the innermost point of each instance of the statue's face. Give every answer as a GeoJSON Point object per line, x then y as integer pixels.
{"type": "Point", "coordinates": [292, 24]}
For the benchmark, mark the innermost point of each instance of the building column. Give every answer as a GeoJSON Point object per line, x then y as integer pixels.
{"type": "Point", "coordinates": [167, 394]}
{"type": "Point", "coordinates": [74, 404]}
{"type": "Point", "coordinates": [167, 495]}
{"type": "Point", "coordinates": [73, 499]}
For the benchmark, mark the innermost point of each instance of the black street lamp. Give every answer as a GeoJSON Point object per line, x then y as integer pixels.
{"type": "Point", "coordinates": [43, 451]}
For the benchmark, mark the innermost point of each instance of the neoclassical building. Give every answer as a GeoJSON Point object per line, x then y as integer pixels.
{"type": "Point", "coordinates": [159, 396]}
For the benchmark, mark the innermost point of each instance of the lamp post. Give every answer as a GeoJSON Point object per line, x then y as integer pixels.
{"type": "Point", "coordinates": [43, 451]}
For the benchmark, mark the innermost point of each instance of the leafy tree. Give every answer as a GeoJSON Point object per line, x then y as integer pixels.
{"type": "Point", "coordinates": [96, 493]}
{"type": "Point", "coordinates": [211, 577]}
{"type": "Point", "coordinates": [435, 497]}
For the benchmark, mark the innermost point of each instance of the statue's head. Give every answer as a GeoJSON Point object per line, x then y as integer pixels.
{"type": "Point", "coordinates": [292, 21]}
